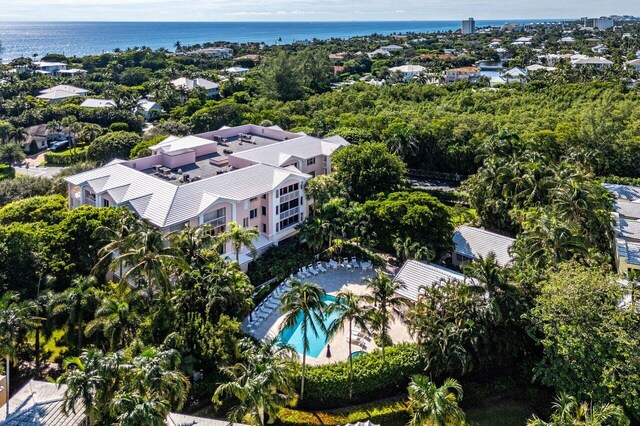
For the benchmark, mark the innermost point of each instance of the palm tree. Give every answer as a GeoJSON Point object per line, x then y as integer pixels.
{"type": "Point", "coordinates": [262, 385]}
{"type": "Point", "coordinates": [408, 249]}
{"type": "Point", "coordinates": [148, 256]}
{"type": "Point", "coordinates": [193, 242]}
{"type": "Point", "coordinates": [350, 309]}
{"type": "Point", "coordinates": [432, 405]}
{"type": "Point", "coordinates": [304, 305]}
{"type": "Point", "coordinates": [239, 236]}
{"type": "Point", "coordinates": [178, 46]}
{"type": "Point", "coordinates": [385, 298]}
{"type": "Point", "coordinates": [312, 233]}
{"type": "Point", "coordinates": [132, 409]}
{"type": "Point", "coordinates": [17, 318]}
{"type": "Point", "coordinates": [567, 411]}
{"type": "Point", "coordinates": [11, 153]}
{"type": "Point", "coordinates": [116, 239]}
{"type": "Point", "coordinates": [74, 307]}
{"type": "Point", "coordinates": [116, 318]}
{"type": "Point", "coordinates": [90, 132]}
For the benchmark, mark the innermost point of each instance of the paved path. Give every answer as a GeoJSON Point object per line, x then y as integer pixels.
{"type": "Point", "coordinates": [47, 172]}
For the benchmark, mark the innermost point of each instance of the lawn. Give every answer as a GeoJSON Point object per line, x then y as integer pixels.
{"type": "Point", "coordinates": [503, 413]}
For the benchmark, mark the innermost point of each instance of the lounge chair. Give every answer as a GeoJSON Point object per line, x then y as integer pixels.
{"type": "Point", "coordinates": [354, 262]}
{"type": "Point", "coordinates": [311, 269]}
{"type": "Point", "coordinates": [333, 264]}
{"type": "Point", "coordinates": [346, 264]}
{"type": "Point", "coordinates": [321, 268]}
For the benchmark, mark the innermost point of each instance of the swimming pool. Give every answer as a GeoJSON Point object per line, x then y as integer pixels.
{"type": "Point", "coordinates": [293, 335]}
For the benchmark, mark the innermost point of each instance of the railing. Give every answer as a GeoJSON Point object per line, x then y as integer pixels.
{"type": "Point", "coordinates": [289, 196]}
{"type": "Point", "coordinates": [291, 212]}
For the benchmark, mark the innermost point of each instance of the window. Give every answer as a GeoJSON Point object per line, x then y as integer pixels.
{"type": "Point", "coordinates": [264, 228]}
{"type": "Point", "coordinates": [253, 214]}
{"type": "Point", "coordinates": [264, 196]}
{"type": "Point", "coordinates": [290, 188]}
{"type": "Point", "coordinates": [311, 161]}
{"type": "Point", "coordinates": [245, 222]}
{"type": "Point", "coordinates": [105, 203]}
{"type": "Point", "coordinates": [264, 211]}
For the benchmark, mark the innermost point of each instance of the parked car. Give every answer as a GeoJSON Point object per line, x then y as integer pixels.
{"type": "Point", "coordinates": [59, 145]}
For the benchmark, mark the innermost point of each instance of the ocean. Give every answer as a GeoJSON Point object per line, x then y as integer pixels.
{"type": "Point", "coordinates": [85, 38]}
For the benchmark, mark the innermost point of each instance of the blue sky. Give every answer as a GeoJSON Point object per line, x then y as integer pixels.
{"type": "Point", "coordinates": [305, 10]}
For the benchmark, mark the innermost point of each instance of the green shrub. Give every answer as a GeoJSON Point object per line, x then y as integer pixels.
{"type": "Point", "coordinates": [327, 386]}
{"type": "Point", "coordinates": [142, 148]}
{"type": "Point", "coordinates": [119, 127]}
{"type": "Point", "coordinates": [7, 172]}
{"type": "Point", "coordinates": [112, 145]}
{"type": "Point", "coordinates": [385, 413]}
{"type": "Point", "coordinates": [68, 157]}
{"type": "Point", "coordinates": [278, 262]}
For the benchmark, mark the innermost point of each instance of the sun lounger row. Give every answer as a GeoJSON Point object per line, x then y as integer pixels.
{"type": "Point", "coordinates": [267, 306]}
{"type": "Point", "coordinates": [349, 264]}
{"type": "Point", "coordinates": [307, 271]}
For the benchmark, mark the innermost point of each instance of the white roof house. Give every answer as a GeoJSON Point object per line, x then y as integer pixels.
{"type": "Point", "coordinates": [191, 83]}
{"type": "Point", "coordinates": [408, 71]}
{"type": "Point", "coordinates": [538, 67]}
{"type": "Point", "coordinates": [391, 48]}
{"type": "Point", "coordinates": [596, 62]}
{"type": "Point", "coordinates": [415, 274]}
{"type": "Point", "coordinates": [567, 39]}
{"type": "Point", "coordinates": [497, 81]}
{"type": "Point", "coordinates": [97, 103]}
{"type": "Point", "coordinates": [177, 144]}
{"type": "Point", "coordinates": [633, 64]}
{"type": "Point", "coordinates": [471, 243]}
{"type": "Point", "coordinates": [40, 404]}
{"type": "Point", "coordinates": [378, 52]}
{"type": "Point", "coordinates": [61, 92]}
{"type": "Point", "coordinates": [148, 108]}
{"type": "Point", "coordinates": [236, 70]}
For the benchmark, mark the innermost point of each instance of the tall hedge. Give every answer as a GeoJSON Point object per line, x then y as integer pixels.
{"type": "Point", "coordinates": [66, 158]}
{"type": "Point", "coordinates": [113, 145]}
{"type": "Point", "coordinates": [327, 386]}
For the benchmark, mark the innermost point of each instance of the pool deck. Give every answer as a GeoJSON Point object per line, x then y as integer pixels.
{"type": "Point", "coordinates": [332, 282]}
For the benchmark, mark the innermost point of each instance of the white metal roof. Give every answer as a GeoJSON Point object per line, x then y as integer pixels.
{"type": "Point", "coordinates": [623, 192]}
{"type": "Point", "coordinates": [627, 228]}
{"type": "Point", "coordinates": [98, 103]}
{"type": "Point", "coordinates": [40, 403]}
{"type": "Point", "coordinates": [627, 209]}
{"type": "Point", "coordinates": [189, 83]}
{"type": "Point", "coordinates": [66, 88]}
{"type": "Point", "coordinates": [174, 143]}
{"type": "Point", "coordinates": [175, 419]}
{"type": "Point", "coordinates": [408, 69]}
{"type": "Point", "coordinates": [165, 204]}
{"type": "Point", "coordinates": [474, 242]}
{"type": "Point", "coordinates": [415, 274]}
{"type": "Point", "coordinates": [276, 154]}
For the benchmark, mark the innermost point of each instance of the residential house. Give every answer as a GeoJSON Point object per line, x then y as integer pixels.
{"type": "Point", "coordinates": [148, 109]}
{"type": "Point", "coordinates": [44, 67]}
{"type": "Point", "coordinates": [408, 72]}
{"type": "Point", "coordinates": [522, 41]}
{"type": "Point", "coordinates": [338, 56]}
{"type": "Point", "coordinates": [592, 62]}
{"type": "Point", "coordinates": [254, 58]}
{"type": "Point", "coordinates": [378, 53]}
{"type": "Point", "coordinates": [568, 40]}
{"type": "Point", "coordinates": [633, 64]}
{"type": "Point", "coordinates": [41, 403]}
{"type": "Point", "coordinates": [98, 103]}
{"type": "Point", "coordinates": [248, 174]}
{"type": "Point", "coordinates": [61, 92]}
{"type": "Point", "coordinates": [497, 80]}
{"type": "Point", "coordinates": [465, 73]}
{"type": "Point", "coordinates": [471, 243]}
{"type": "Point", "coordinates": [214, 52]}
{"type": "Point", "coordinates": [538, 67]}
{"type": "Point", "coordinates": [187, 84]}
{"type": "Point", "coordinates": [599, 49]}
{"type": "Point", "coordinates": [236, 71]}
{"type": "Point", "coordinates": [42, 137]}
{"type": "Point", "coordinates": [391, 48]}
{"type": "Point", "coordinates": [416, 274]}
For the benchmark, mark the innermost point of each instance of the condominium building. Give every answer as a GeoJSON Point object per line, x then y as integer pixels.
{"type": "Point", "coordinates": [251, 175]}
{"type": "Point", "coordinates": [469, 26]}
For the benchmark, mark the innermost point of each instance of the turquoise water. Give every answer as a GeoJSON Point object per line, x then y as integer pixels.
{"type": "Point", "coordinates": [293, 335]}
{"type": "Point", "coordinates": [86, 38]}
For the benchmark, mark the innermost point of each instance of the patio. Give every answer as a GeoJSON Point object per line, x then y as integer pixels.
{"type": "Point", "coordinates": [332, 281]}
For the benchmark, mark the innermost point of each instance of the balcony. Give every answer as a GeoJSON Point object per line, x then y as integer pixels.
{"type": "Point", "coordinates": [290, 196]}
